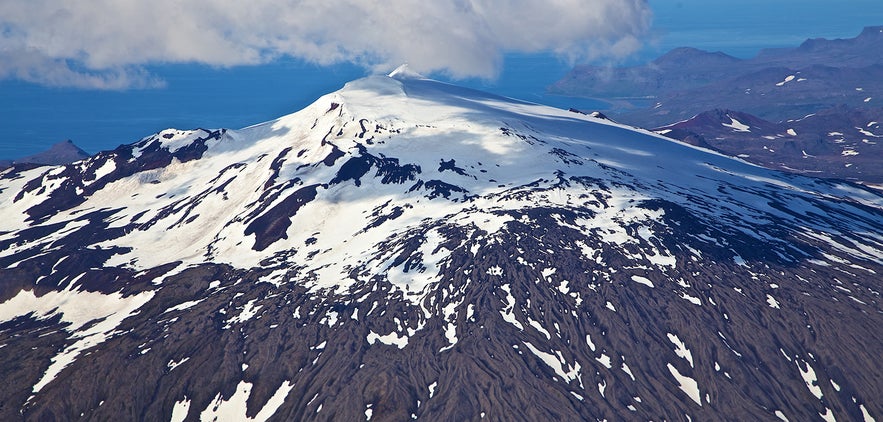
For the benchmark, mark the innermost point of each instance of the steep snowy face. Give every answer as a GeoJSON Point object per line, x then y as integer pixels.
{"type": "Point", "coordinates": [401, 219]}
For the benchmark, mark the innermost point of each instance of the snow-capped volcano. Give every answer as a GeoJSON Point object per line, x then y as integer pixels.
{"type": "Point", "coordinates": [404, 248]}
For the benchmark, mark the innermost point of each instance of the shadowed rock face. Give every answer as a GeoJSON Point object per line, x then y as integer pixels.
{"type": "Point", "coordinates": [407, 249]}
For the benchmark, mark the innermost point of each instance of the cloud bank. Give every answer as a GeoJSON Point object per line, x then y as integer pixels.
{"type": "Point", "coordinates": [105, 44]}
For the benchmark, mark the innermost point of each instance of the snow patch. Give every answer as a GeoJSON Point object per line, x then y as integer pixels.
{"type": "Point", "coordinates": [590, 343]}
{"type": "Point", "coordinates": [691, 299]}
{"type": "Point", "coordinates": [173, 364]}
{"type": "Point", "coordinates": [556, 363]}
{"type": "Point", "coordinates": [180, 410]}
{"type": "Point", "coordinates": [391, 339]}
{"type": "Point", "coordinates": [539, 327]}
{"type": "Point", "coordinates": [605, 360]}
{"type": "Point", "coordinates": [234, 408]}
{"type": "Point", "coordinates": [788, 78]}
{"type": "Point", "coordinates": [642, 280]}
{"type": "Point", "coordinates": [809, 377]}
{"type": "Point", "coordinates": [865, 414]}
{"type": "Point", "coordinates": [507, 312]}
{"type": "Point", "coordinates": [625, 368]}
{"type": "Point", "coordinates": [737, 125]}
{"type": "Point", "coordinates": [687, 385]}
{"type": "Point", "coordinates": [772, 302]}
{"type": "Point", "coordinates": [183, 306]}
{"type": "Point", "coordinates": [681, 349]}
{"type": "Point", "coordinates": [249, 310]}
{"type": "Point", "coordinates": [108, 167]}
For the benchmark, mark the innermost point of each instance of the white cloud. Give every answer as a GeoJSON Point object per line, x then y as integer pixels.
{"type": "Point", "coordinates": [31, 66]}
{"type": "Point", "coordinates": [105, 43]}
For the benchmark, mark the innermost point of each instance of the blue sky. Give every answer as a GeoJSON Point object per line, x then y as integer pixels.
{"type": "Point", "coordinates": [742, 27]}
{"type": "Point", "coordinates": [55, 95]}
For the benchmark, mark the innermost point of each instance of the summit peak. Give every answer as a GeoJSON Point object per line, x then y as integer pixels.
{"type": "Point", "coordinates": [405, 72]}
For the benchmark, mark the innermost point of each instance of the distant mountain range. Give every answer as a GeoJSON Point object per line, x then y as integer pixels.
{"type": "Point", "coordinates": [777, 84]}
{"type": "Point", "coordinates": [64, 152]}
{"type": "Point", "coordinates": [830, 92]}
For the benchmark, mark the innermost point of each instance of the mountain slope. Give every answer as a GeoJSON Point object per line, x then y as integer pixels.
{"type": "Point", "coordinates": [404, 248]}
{"type": "Point", "coordinates": [840, 142]}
